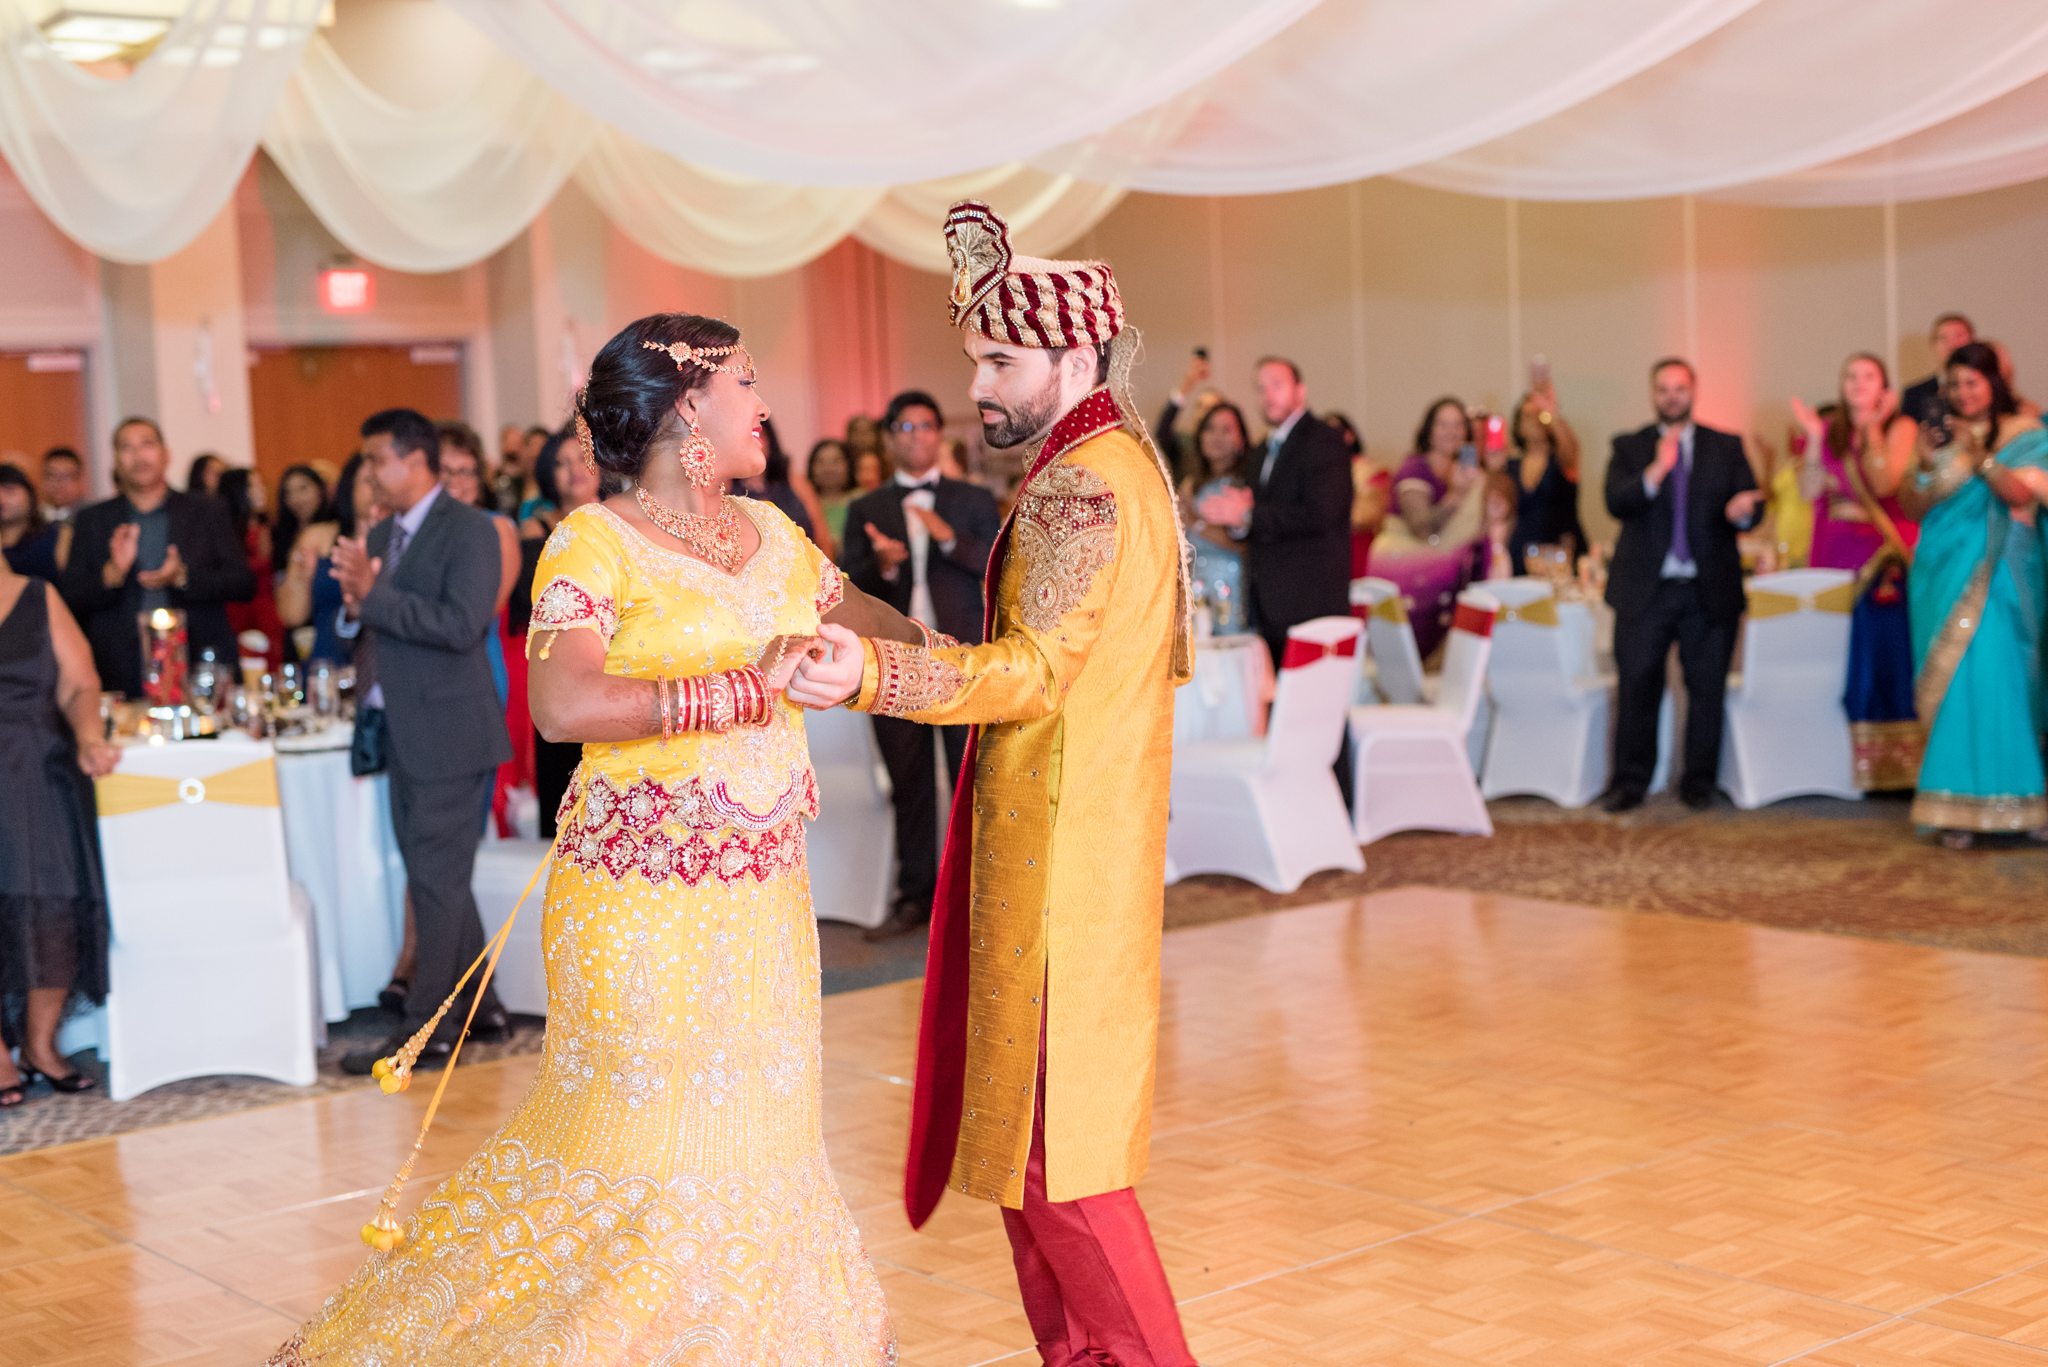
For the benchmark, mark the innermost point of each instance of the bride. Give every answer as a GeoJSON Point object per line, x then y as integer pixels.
{"type": "Point", "coordinates": [661, 1196]}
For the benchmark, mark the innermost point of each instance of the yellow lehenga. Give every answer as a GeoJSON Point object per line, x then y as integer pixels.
{"type": "Point", "coordinates": [661, 1196]}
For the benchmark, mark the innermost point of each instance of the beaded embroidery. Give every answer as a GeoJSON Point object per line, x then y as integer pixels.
{"type": "Point", "coordinates": [1066, 533]}
{"type": "Point", "coordinates": [912, 679]}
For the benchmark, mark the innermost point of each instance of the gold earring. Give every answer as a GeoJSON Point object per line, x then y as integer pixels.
{"type": "Point", "coordinates": [698, 457]}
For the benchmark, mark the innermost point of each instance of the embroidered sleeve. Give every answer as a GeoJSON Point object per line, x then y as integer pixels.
{"type": "Point", "coordinates": [831, 588]}
{"type": "Point", "coordinates": [911, 679]}
{"type": "Point", "coordinates": [576, 584]}
{"type": "Point", "coordinates": [1066, 534]}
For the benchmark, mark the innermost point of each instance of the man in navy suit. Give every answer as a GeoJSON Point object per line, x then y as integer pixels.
{"type": "Point", "coordinates": [921, 544]}
{"type": "Point", "coordinates": [1680, 492]}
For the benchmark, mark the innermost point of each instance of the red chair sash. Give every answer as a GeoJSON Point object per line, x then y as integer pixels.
{"type": "Point", "coordinates": [1300, 652]}
{"type": "Point", "coordinates": [1477, 621]}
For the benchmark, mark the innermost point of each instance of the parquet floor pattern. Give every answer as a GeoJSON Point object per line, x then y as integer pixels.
{"type": "Point", "coordinates": [1418, 1128]}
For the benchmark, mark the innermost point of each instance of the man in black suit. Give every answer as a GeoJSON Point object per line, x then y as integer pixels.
{"type": "Point", "coordinates": [421, 590]}
{"type": "Point", "coordinates": [920, 543]}
{"type": "Point", "coordinates": [150, 547]}
{"type": "Point", "coordinates": [1922, 400]}
{"type": "Point", "coordinates": [1680, 492]}
{"type": "Point", "coordinates": [1298, 537]}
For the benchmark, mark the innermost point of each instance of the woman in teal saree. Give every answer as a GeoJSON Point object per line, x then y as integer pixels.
{"type": "Point", "coordinates": [1976, 599]}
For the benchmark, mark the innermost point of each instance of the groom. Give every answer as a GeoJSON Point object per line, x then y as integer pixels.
{"type": "Point", "coordinates": [1041, 1004]}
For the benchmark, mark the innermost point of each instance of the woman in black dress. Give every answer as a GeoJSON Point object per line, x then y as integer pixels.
{"type": "Point", "coordinates": [53, 909]}
{"type": "Point", "coordinates": [1545, 469]}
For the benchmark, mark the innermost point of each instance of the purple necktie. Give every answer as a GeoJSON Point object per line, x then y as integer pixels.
{"type": "Point", "coordinates": [1681, 543]}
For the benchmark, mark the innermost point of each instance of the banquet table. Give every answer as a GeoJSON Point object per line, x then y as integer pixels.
{"type": "Point", "coordinates": [343, 851]}
{"type": "Point", "coordinates": [1226, 699]}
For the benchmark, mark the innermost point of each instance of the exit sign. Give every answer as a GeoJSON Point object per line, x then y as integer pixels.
{"type": "Point", "coordinates": [347, 290]}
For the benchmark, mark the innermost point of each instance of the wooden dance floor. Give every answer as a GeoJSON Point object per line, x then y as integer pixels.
{"type": "Point", "coordinates": [1421, 1128]}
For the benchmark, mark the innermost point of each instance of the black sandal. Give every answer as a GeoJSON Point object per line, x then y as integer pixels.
{"type": "Point", "coordinates": [71, 1084]}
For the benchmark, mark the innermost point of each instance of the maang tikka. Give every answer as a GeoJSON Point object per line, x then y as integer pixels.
{"type": "Point", "coordinates": [698, 456]}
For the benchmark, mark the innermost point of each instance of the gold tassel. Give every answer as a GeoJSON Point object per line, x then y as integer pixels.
{"type": "Point", "coordinates": [394, 1074]}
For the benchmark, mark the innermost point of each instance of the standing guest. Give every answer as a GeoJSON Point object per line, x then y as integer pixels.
{"type": "Point", "coordinates": [33, 545]}
{"type": "Point", "coordinates": [462, 478]}
{"type": "Point", "coordinates": [1501, 502]}
{"type": "Point", "coordinates": [1425, 544]}
{"type": "Point", "coordinates": [1680, 492]}
{"type": "Point", "coordinates": [302, 500]}
{"type": "Point", "coordinates": [921, 545]}
{"type": "Point", "coordinates": [63, 483]}
{"type": "Point", "coordinates": [1545, 469]}
{"type": "Point", "coordinates": [1217, 569]}
{"type": "Point", "coordinates": [241, 492]}
{"type": "Point", "coordinates": [204, 476]}
{"type": "Point", "coordinates": [830, 471]}
{"type": "Point", "coordinates": [419, 590]}
{"type": "Point", "coordinates": [150, 547]}
{"type": "Point", "coordinates": [1185, 407]}
{"type": "Point", "coordinates": [1976, 607]}
{"type": "Point", "coordinates": [524, 497]}
{"type": "Point", "coordinates": [510, 477]}
{"type": "Point", "coordinates": [1295, 518]}
{"type": "Point", "coordinates": [1854, 464]}
{"type": "Point", "coordinates": [870, 470]}
{"type": "Point", "coordinates": [308, 595]}
{"type": "Point", "coordinates": [53, 911]}
{"type": "Point", "coordinates": [1922, 400]}
{"type": "Point", "coordinates": [864, 436]}
{"type": "Point", "coordinates": [774, 485]}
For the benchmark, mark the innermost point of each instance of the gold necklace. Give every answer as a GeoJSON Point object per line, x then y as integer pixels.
{"type": "Point", "coordinates": [716, 538]}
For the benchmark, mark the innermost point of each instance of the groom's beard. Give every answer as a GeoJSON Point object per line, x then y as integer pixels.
{"type": "Point", "coordinates": [1004, 428]}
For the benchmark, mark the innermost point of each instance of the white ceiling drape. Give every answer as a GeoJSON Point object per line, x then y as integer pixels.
{"type": "Point", "coordinates": [135, 169]}
{"type": "Point", "coordinates": [745, 137]}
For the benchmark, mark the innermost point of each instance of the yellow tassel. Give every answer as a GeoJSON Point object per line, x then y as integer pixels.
{"type": "Point", "coordinates": [383, 1233]}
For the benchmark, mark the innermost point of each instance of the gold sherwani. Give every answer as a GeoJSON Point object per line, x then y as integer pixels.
{"type": "Point", "coordinates": [1074, 698]}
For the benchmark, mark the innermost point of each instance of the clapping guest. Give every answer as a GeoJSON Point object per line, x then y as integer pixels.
{"type": "Point", "coordinates": [1218, 555]}
{"type": "Point", "coordinates": [1853, 466]}
{"type": "Point", "coordinates": [241, 492]}
{"type": "Point", "coordinates": [308, 594]}
{"type": "Point", "coordinates": [32, 545]}
{"type": "Point", "coordinates": [151, 547]}
{"type": "Point", "coordinates": [301, 501]}
{"type": "Point", "coordinates": [1681, 492]}
{"type": "Point", "coordinates": [1545, 471]}
{"type": "Point", "coordinates": [53, 911]}
{"type": "Point", "coordinates": [1976, 608]}
{"type": "Point", "coordinates": [1425, 545]}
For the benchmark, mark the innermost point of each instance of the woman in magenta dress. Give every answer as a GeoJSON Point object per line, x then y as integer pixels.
{"type": "Point", "coordinates": [1855, 460]}
{"type": "Point", "coordinates": [1425, 544]}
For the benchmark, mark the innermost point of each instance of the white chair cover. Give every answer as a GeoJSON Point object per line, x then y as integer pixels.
{"type": "Point", "coordinates": [1413, 768]}
{"type": "Point", "coordinates": [211, 968]}
{"type": "Point", "coordinates": [1269, 810]}
{"type": "Point", "coordinates": [1396, 663]}
{"type": "Point", "coordinates": [852, 844]}
{"type": "Point", "coordinates": [1550, 712]}
{"type": "Point", "coordinates": [1787, 732]}
{"type": "Point", "coordinates": [502, 868]}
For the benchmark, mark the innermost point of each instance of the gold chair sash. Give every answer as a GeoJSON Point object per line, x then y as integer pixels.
{"type": "Point", "coordinates": [1390, 609]}
{"type": "Point", "coordinates": [1540, 612]}
{"type": "Point", "coordinates": [1764, 603]}
{"type": "Point", "coordinates": [249, 785]}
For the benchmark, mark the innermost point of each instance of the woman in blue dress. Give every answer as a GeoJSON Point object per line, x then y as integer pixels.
{"type": "Point", "coordinates": [1219, 558]}
{"type": "Point", "coordinates": [1976, 603]}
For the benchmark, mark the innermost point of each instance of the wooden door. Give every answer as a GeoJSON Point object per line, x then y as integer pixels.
{"type": "Point", "coordinates": [42, 404]}
{"type": "Point", "coordinates": [308, 403]}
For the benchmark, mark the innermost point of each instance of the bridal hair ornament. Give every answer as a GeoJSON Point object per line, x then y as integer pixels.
{"type": "Point", "coordinates": [697, 455]}
{"type": "Point", "coordinates": [583, 437]}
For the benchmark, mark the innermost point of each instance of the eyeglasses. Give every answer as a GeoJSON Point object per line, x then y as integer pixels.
{"type": "Point", "coordinates": [906, 428]}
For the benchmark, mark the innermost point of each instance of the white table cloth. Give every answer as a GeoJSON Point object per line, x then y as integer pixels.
{"type": "Point", "coordinates": [342, 850]}
{"type": "Point", "coordinates": [1226, 700]}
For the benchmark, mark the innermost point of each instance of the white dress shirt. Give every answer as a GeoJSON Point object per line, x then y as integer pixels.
{"type": "Point", "coordinates": [921, 492]}
{"type": "Point", "coordinates": [1275, 440]}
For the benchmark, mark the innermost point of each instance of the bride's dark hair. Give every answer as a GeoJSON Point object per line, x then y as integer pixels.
{"type": "Point", "coordinates": [630, 399]}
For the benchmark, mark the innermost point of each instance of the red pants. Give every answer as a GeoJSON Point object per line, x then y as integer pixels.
{"type": "Point", "coordinates": [1093, 1287]}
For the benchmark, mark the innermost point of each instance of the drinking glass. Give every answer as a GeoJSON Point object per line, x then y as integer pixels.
{"type": "Point", "coordinates": [323, 691]}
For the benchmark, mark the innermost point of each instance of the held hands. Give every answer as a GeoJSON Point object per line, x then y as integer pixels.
{"type": "Point", "coordinates": [781, 656]}
{"type": "Point", "coordinates": [829, 673]}
{"type": "Point", "coordinates": [355, 569]}
{"type": "Point", "coordinates": [170, 574]}
{"type": "Point", "coordinates": [1741, 506]}
{"type": "Point", "coordinates": [889, 552]}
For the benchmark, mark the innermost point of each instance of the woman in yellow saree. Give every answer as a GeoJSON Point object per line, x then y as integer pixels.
{"type": "Point", "coordinates": [662, 1195]}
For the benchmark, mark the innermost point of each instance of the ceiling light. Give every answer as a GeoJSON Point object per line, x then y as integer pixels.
{"type": "Point", "coordinates": [120, 30]}
{"type": "Point", "coordinates": [78, 50]}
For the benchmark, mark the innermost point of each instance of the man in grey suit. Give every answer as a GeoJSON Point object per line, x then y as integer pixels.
{"type": "Point", "coordinates": [420, 589]}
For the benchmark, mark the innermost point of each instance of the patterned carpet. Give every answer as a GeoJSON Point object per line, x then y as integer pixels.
{"type": "Point", "coordinates": [1845, 868]}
